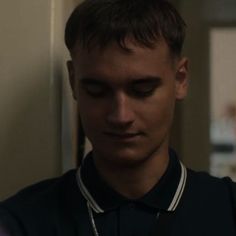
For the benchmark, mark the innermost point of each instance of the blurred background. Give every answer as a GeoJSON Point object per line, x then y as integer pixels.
{"type": "Point", "coordinates": [38, 125]}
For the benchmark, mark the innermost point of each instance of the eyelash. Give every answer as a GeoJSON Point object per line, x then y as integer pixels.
{"type": "Point", "coordinates": [91, 90]}
{"type": "Point", "coordinates": [143, 93]}
{"type": "Point", "coordinates": [136, 92]}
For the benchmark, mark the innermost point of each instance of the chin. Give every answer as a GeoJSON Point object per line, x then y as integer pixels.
{"type": "Point", "coordinates": [123, 158]}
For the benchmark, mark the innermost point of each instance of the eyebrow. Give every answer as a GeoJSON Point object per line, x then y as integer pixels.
{"type": "Point", "coordinates": [147, 79]}
{"type": "Point", "coordinates": [89, 80]}
{"type": "Point", "coordinates": [138, 80]}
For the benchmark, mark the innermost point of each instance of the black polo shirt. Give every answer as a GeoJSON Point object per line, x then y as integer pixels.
{"type": "Point", "coordinates": [193, 203]}
{"type": "Point", "coordinates": [116, 215]}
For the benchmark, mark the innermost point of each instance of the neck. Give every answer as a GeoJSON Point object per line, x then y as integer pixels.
{"type": "Point", "coordinates": [134, 181]}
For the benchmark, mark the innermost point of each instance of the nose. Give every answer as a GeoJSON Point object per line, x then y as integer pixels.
{"type": "Point", "coordinates": [121, 112]}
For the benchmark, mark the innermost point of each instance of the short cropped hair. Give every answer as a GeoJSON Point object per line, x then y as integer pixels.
{"type": "Point", "coordinates": [100, 22]}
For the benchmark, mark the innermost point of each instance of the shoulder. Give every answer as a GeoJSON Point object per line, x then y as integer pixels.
{"type": "Point", "coordinates": [39, 202]}
{"type": "Point", "coordinates": [209, 190]}
{"type": "Point", "coordinates": [203, 180]}
{"type": "Point", "coordinates": [43, 191]}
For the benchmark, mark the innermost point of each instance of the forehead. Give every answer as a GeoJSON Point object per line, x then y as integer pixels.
{"type": "Point", "coordinates": [114, 61]}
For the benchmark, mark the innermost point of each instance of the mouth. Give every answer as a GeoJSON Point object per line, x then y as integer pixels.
{"type": "Point", "coordinates": [123, 136]}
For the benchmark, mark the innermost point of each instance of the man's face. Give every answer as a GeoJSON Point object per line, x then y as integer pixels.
{"type": "Point", "coordinates": [126, 99]}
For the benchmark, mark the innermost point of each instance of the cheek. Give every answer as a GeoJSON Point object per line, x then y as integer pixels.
{"type": "Point", "coordinates": [91, 114]}
{"type": "Point", "coordinates": [159, 113]}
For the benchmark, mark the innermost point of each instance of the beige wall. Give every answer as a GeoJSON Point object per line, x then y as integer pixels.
{"type": "Point", "coordinates": [30, 92]}
{"type": "Point", "coordinates": [195, 113]}
{"type": "Point", "coordinates": [223, 70]}
{"type": "Point", "coordinates": [191, 130]}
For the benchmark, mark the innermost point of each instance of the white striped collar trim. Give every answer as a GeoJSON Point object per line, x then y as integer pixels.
{"type": "Point", "coordinates": [174, 203]}
{"type": "Point", "coordinates": [180, 189]}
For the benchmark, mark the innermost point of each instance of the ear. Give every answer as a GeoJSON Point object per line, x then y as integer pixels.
{"type": "Point", "coordinates": [181, 83]}
{"type": "Point", "coordinates": [71, 73]}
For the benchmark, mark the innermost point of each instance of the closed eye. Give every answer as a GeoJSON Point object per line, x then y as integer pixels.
{"type": "Point", "coordinates": [144, 88]}
{"type": "Point", "coordinates": [94, 88]}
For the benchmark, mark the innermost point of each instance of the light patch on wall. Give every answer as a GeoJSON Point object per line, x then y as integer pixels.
{"type": "Point", "coordinates": [223, 101]}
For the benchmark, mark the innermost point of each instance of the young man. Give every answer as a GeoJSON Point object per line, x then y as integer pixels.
{"type": "Point", "coordinates": [126, 73]}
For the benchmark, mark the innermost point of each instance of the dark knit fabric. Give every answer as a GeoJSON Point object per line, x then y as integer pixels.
{"type": "Point", "coordinates": [56, 207]}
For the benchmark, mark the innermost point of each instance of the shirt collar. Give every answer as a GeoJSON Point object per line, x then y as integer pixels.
{"type": "Point", "coordinates": [165, 195]}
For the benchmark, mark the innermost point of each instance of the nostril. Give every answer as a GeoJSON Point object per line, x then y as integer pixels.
{"type": "Point", "coordinates": [119, 122]}
{"type": "Point", "coordinates": [120, 117]}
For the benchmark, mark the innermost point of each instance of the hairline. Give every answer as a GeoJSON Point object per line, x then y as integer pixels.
{"type": "Point", "coordinates": [173, 58]}
{"type": "Point", "coordinates": [123, 45]}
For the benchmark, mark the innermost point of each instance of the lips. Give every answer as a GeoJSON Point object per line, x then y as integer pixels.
{"type": "Point", "coordinates": [123, 136]}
